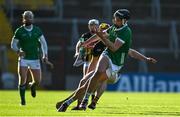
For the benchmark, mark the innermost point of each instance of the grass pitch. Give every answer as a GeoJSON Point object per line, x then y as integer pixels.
{"type": "Point", "coordinates": [111, 104]}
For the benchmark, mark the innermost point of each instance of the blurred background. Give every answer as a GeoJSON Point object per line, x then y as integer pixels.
{"type": "Point", "coordinates": [156, 33]}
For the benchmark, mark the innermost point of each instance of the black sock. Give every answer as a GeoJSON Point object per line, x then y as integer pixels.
{"type": "Point", "coordinates": [22, 89]}
{"type": "Point", "coordinates": [92, 97]}
{"type": "Point", "coordinates": [95, 99]}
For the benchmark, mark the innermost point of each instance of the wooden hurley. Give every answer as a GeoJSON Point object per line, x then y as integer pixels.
{"type": "Point", "coordinates": [49, 63]}
{"type": "Point", "coordinates": [92, 41]}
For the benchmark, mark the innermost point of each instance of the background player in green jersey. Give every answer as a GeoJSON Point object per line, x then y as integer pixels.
{"type": "Point", "coordinates": [27, 42]}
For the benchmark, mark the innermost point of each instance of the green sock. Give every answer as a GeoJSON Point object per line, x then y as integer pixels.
{"type": "Point", "coordinates": [22, 89]}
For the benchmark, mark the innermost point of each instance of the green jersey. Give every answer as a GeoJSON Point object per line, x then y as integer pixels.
{"type": "Point", "coordinates": [29, 41]}
{"type": "Point", "coordinates": [124, 33]}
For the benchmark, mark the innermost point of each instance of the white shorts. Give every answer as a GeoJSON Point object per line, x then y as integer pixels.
{"type": "Point", "coordinates": [32, 64]}
{"type": "Point", "coordinates": [112, 71]}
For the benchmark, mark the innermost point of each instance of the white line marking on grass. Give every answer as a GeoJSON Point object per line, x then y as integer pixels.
{"type": "Point", "coordinates": [100, 116]}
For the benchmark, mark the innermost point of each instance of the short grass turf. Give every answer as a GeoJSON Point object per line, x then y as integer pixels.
{"type": "Point", "coordinates": [110, 104]}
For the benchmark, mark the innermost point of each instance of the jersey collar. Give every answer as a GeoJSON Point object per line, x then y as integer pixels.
{"type": "Point", "coordinates": [29, 29]}
{"type": "Point", "coordinates": [118, 29]}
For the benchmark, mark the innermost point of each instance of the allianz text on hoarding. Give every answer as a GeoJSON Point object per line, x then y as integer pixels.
{"type": "Point", "coordinates": [157, 82]}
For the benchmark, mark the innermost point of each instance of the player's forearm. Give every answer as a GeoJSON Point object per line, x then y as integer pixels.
{"type": "Point", "coordinates": [135, 54]}
{"type": "Point", "coordinates": [44, 46]}
{"type": "Point", "coordinates": [109, 44]}
{"type": "Point", "coordinates": [14, 45]}
{"type": "Point", "coordinates": [113, 46]}
{"type": "Point", "coordinates": [91, 40]}
{"type": "Point", "coordinates": [78, 45]}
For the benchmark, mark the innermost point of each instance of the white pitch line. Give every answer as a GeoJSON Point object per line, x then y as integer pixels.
{"type": "Point", "coordinates": [100, 116]}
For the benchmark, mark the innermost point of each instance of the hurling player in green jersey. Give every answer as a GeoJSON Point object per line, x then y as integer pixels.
{"type": "Point", "coordinates": [118, 41]}
{"type": "Point", "coordinates": [27, 42]}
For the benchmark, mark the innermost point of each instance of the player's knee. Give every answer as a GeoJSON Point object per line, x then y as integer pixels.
{"type": "Point", "coordinates": [21, 75]}
{"type": "Point", "coordinates": [38, 79]}
{"type": "Point", "coordinates": [83, 81]}
{"type": "Point", "coordinates": [22, 80]}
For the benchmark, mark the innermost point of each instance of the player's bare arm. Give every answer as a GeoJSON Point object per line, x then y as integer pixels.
{"type": "Point", "coordinates": [14, 46]}
{"type": "Point", "coordinates": [78, 45]}
{"type": "Point", "coordinates": [44, 47]}
{"type": "Point", "coordinates": [92, 39]}
{"type": "Point", "coordinates": [112, 46]}
{"type": "Point", "coordinates": [135, 54]}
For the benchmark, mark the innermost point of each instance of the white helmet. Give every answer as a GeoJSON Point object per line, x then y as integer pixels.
{"type": "Point", "coordinates": [93, 21]}
{"type": "Point", "coordinates": [28, 14]}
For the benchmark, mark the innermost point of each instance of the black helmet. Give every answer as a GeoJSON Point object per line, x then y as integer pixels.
{"type": "Point", "coordinates": [122, 14]}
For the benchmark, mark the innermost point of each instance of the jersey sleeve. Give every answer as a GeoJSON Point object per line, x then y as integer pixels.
{"type": "Point", "coordinates": [17, 34]}
{"type": "Point", "coordinates": [39, 32]}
